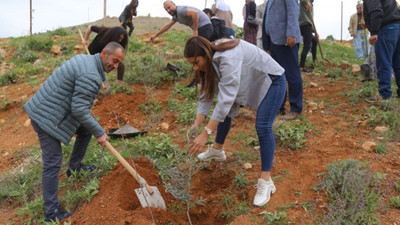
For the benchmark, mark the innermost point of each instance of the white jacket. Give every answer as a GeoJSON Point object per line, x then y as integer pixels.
{"type": "Point", "coordinates": [243, 80]}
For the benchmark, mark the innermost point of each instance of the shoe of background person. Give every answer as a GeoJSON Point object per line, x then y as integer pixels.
{"type": "Point", "coordinates": [264, 191]}
{"type": "Point", "coordinates": [57, 214]}
{"type": "Point", "coordinates": [173, 67]}
{"type": "Point", "coordinates": [291, 115]}
{"type": "Point", "coordinates": [83, 167]}
{"type": "Point", "coordinates": [211, 153]}
{"type": "Point", "coordinates": [374, 99]}
{"type": "Point", "coordinates": [305, 70]}
{"type": "Point", "coordinates": [191, 84]}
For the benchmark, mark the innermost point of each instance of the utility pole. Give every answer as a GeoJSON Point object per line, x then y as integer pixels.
{"type": "Point", "coordinates": [341, 24]}
{"type": "Point", "coordinates": [30, 18]}
{"type": "Point", "coordinates": [105, 10]}
{"type": "Point", "coordinates": [205, 4]}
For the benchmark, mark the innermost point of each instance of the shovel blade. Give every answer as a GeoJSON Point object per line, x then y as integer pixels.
{"type": "Point", "coordinates": [154, 200]}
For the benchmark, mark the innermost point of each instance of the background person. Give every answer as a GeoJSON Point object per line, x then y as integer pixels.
{"type": "Point", "coordinates": [383, 21]}
{"type": "Point", "coordinates": [223, 11]}
{"type": "Point", "coordinates": [126, 16]}
{"type": "Point", "coordinates": [357, 31]}
{"type": "Point", "coordinates": [306, 29]}
{"type": "Point", "coordinates": [240, 74]}
{"type": "Point", "coordinates": [219, 28]}
{"type": "Point", "coordinates": [281, 36]}
{"type": "Point", "coordinates": [250, 30]}
{"type": "Point", "coordinates": [60, 109]}
{"type": "Point", "coordinates": [259, 17]}
{"type": "Point", "coordinates": [104, 36]}
{"type": "Point", "coordinates": [194, 18]}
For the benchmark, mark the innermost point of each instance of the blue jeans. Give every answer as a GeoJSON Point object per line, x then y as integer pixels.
{"type": "Point", "coordinates": [52, 157]}
{"type": "Point", "coordinates": [387, 51]}
{"type": "Point", "coordinates": [266, 114]}
{"type": "Point", "coordinates": [360, 43]}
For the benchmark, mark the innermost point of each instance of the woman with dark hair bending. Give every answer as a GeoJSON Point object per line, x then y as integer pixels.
{"type": "Point", "coordinates": [239, 73]}
{"type": "Point", "coordinates": [104, 36]}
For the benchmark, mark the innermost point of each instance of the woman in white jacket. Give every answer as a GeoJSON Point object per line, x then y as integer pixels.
{"type": "Point", "coordinates": [240, 74]}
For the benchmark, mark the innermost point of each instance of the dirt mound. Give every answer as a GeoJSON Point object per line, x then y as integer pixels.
{"type": "Point", "coordinates": [117, 203]}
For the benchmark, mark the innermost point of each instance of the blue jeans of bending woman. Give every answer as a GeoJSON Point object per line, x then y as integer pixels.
{"type": "Point", "coordinates": [266, 114]}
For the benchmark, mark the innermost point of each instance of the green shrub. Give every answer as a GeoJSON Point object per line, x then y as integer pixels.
{"type": "Point", "coordinates": [381, 149]}
{"type": "Point", "coordinates": [240, 180]}
{"type": "Point", "coordinates": [60, 32]}
{"type": "Point", "coordinates": [26, 54]}
{"type": "Point", "coordinates": [395, 201]}
{"type": "Point", "coordinates": [22, 185]}
{"type": "Point", "coordinates": [278, 217]}
{"type": "Point", "coordinates": [39, 43]}
{"type": "Point", "coordinates": [352, 190]}
{"type": "Point", "coordinates": [150, 107]}
{"type": "Point", "coordinates": [292, 134]}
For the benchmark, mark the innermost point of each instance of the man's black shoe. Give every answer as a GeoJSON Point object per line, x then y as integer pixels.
{"type": "Point", "coordinates": [305, 70]}
{"type": "Point", "coordinates": [58, 213]}
{"type": "Point", "coordinates": [83, 167]}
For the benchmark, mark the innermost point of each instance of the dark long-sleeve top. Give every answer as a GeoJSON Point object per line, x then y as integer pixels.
{"type": "Point", "coordinates": [379, 13]}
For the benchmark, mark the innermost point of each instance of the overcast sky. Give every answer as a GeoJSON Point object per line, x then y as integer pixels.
{"type": "Point", "coordinates": [52, 14]}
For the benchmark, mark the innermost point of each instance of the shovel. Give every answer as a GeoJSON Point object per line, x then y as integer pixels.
{"type": "Point", "coordinates": [148, 195]}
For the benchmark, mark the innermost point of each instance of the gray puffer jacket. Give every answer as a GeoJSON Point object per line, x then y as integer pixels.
{"type": "Point", "coordinates": [63, 102]}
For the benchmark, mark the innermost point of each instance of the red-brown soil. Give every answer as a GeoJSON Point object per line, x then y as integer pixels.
{"type": "Point", "coordinates": [337, 137]}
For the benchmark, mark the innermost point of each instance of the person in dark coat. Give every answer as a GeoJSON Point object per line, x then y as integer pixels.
{"type": "Point", "coordinates": [219, 28]}
{"type": "Point", "coordinates": [104, 36]}
{"type": "Point", "coordinates": [126, 16]}
{"type": "Point", "coordinates": [383, 21]}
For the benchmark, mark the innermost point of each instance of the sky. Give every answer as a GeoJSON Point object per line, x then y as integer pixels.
{"type": "Point", "coordinates": [53, 14]}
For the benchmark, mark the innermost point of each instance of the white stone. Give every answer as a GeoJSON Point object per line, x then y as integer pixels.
{"type": "Point", "coordinates": [27, 122]}
{"type": "Point", "coordinates": [164, 126]}
{"type": "Point", "coordinates": [247, 166]}
{"type": "Point", "coordinates": [312, 105]}
{"type": "Point", "coordinates": [369, 145]}
{"type": "Point", "coordinates": [381, 130]}
{"type": "Point", "coordinates": [321, 105]}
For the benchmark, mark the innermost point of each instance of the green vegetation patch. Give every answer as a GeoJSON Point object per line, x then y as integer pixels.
{"type": "Point", "coordinates": [353, 192]}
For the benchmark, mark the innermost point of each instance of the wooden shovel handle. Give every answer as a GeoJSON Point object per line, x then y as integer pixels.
{"type": "Point", "coordinates": [127, 165]}
{"type": "Point", "coordinates": [83, 39]}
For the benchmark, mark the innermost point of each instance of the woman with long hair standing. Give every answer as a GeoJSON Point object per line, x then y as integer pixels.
{"type": "Point", "coordinates": [240, 74]}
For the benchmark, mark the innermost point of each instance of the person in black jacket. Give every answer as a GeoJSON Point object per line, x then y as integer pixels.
{"type": "Point", "coordinates": [219, 28]}
{"type": "Point", "coordinates": [383, 21]}
{"type": "Point", "coordinates": [126, 16]}
{"type": "Point", "coordinates": [104, 36]}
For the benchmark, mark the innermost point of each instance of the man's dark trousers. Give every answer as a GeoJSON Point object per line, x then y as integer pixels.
{"type": "Point", "coordinates": [387, 51]}
{"type": "Point", "coordinates": [288, 58]}
{"type": "Point", "coordinates": [52, 157]}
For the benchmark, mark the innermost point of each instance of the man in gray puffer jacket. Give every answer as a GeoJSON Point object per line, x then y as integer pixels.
{"type": "Point", "coordinates": [61, 108]}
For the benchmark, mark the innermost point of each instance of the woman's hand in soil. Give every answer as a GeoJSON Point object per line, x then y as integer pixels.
{"type": "Point", "coordinates": [198, 144]}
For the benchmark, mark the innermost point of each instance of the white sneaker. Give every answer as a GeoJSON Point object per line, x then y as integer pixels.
{"type": "Point", "coordinates": [264, 191]}
{"type": "Point", "coordinates": [211, 154]}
